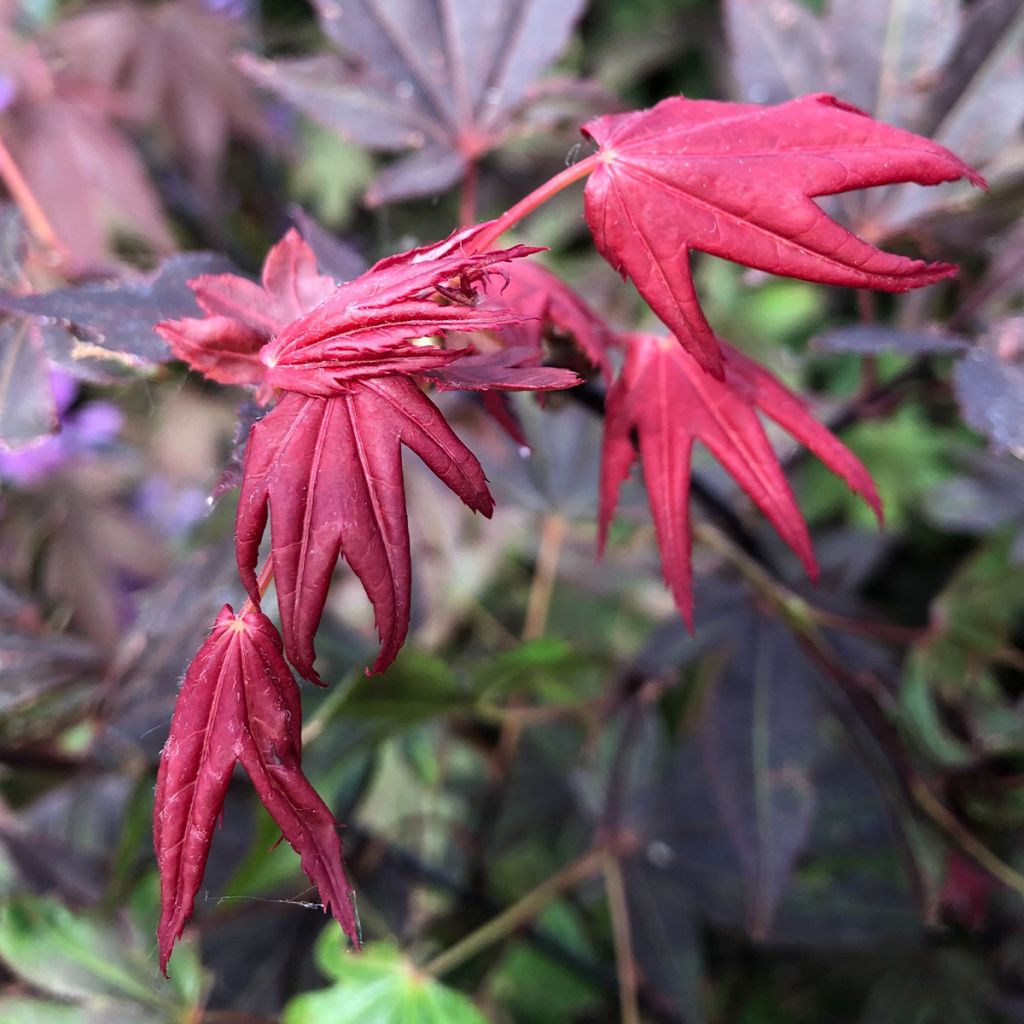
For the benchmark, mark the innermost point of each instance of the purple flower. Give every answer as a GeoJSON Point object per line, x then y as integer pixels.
{"type": "Point", "coordinates": [81, 432]}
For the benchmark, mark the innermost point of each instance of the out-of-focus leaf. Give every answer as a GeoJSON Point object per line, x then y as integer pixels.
{"type": "Point", "coordinates": [988, 493]}
{"type": "Point", "coordinates": [977, 108]}
{"type": "Point", "coordinates": [990, 386]}
{"type": "Point", "coordinates": [887, 54]}
{"type": "Point", "coordinates": [777, 49]}
{"type": "Point", "coordinates": [922, 720]}
{"type": "Point", "coordinates": [447, 87]}
{"type": "Point", "coordinates": [331, 173]}
{"type": "Point", "coordinates": [13, 246]}
{"type": "Point", "coordinates": [870, 340]}
{"type": "Point", "coordinates": [27, 408]}
{"type": "Point", "coordinates": [759, 739]}
{"type": "Point", "coordinates": [80, 957]}
{"type": "Point", "coordinates": [939, 986]}
{"type": "Point", "coordinates": [908, 455]}
{"type": "Point", "coordinates": [558, 474]}
{"type": "Point", "coordinates": [333, 256]}
{"type": "Point", "coordinates": [97, 551]}
{"type": "Point", "coordinates": [972, 618]}
{"type": "Point", "coordinates": [533, 985]}
{"type": "Point", "coordinates": [22, 1010]}
{"type": "Point", "coordinates": [119, 316]}
{"type": "Point", "coordinates": [169, 65]}
{"type": "Point", "coordinates": [844, 891]}
{"type": "Point", "coordinates": [377, 985]}
{"type": "Point", "coordinates": [950, 71]}
{"type": "Point", "coordinates": [416, 687]}
{"type": "Point", "coordinates": [87, 176]}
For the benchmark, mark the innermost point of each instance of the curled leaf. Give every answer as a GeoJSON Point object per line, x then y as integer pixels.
{"type": "Point", "coordinates": [238, 702]}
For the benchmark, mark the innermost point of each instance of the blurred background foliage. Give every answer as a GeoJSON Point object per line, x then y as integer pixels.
{"type": "Point", "coordinates": [560, 806]}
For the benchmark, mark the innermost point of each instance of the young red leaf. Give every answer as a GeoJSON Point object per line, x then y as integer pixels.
{"type": "Point", "coordinates": [242, 316]}
{"type": "Point", "coordinates": [547, 301]}
{"type": "Point", "coordinates": [364, 328]}
{"type": "Point", "coordinates": [516, 368]}
{"type": "Point", "coordinates": [665, 396]}
{"type": "Point", "coordinates": [738, 180]}
{"type": "Point", "coordinates": [329, 473]}
{"type": "Point", "coordinates": [238, 702]}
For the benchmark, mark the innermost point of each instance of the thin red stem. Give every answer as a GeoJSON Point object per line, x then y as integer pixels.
{"type": "Point", "coordinates": [263, 582]}
{"type": "Point", "coordinates": [536, 198]}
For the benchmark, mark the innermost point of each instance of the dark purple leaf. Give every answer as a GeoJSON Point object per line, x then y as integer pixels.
{"type": "Point", "coordinates": [119, 316]}
{"type": "Point", "coordinates": [445, 82]}
{"type": "Point", "coordinates": [333, 256]}
{"type": "Point", "coordinates": [871, 340]}
{"type": "Point", "coordinates": [28, 412]}
{"type": "Point", "coordinates": [777, 50]}
{"type": "Point", "coordinates": [989, 384]}
{"type": "Point", "coordinates": [759, 740]}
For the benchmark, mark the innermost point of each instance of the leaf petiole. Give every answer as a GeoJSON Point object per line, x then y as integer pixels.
{"type": "Point", "coordinates": [537, 198]}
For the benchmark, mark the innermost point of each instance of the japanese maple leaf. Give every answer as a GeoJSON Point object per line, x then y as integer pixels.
{"type": "Point", "coordinates": [329, 473]}
{"type": "Point", "coordinates": [445, 81]}
{"type": "Point", "coordinates": [548, 303]}
{"type": "Point", "coordinates": [168, 66]}
{"type": "Point", "coordinates": [242, 316]}
{"type": "Point", "coordinates": [738, 180]}
{"type": "Point", "coordinates": [238, 703]}
{"type": "Point", "coordinates": [665, 397]}
{"type": "Point", "coordinates": [364, 328]}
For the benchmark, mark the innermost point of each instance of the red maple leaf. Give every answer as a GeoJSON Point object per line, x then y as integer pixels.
{"type": "Point", "coordinates": [325, 464]}
{"type": "Point", "coordinates": [329, 472]}
{"type": "Point", "coordinates": [738, 180]}
{"type": "Point", "coordinates": [666, 397]}
{"type": "Point", "coordinates": [238, 702]}
{"type": "Point", "coordinates": [548, 303]}
{"type": "Point", "coordinates": [364, 328]}
{"type": "Point", "coordinates": [242, 316]}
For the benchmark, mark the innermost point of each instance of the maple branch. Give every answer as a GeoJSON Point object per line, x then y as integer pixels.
{"type": "Point", "coordinates": [537, 198]}
{"type": "Point", "coordinates": [521, 912]}
{"type": "Point", "coordinates": [21, 192]}
{"type": "Point", "coordinates": [625, 963]}
{"type": "Point", "coordinates": [542, 587]}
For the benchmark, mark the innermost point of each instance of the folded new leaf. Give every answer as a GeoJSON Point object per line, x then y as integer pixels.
{"type": "Point", "coordinates": [238, 702]}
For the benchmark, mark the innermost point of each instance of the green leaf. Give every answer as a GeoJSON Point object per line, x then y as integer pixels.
{"type": "Point", "coordinates": [92, 960]}
{"type": "Point", "coordinates": [377, 984]}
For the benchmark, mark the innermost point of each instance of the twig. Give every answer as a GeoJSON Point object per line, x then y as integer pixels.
{"type": "Point", "coordinates": [21, 192]}
{"type": "Point", "coordinates": [521, 912]}
{"type": "Point", "coordinates": [625, 963]}
{"type": "Point", "coordinates": [538, 604]}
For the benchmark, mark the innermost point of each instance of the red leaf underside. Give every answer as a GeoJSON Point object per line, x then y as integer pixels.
{"type": "Point", "coordinates": [665, 396]}
{"type": "Point", "coordinates": [238, 703]}
{"type": "Point", "coordinates": [242, 316]}
{"type": "Point", "coordinates": [329, 474]}
{"type": "Point", "coordinates": [367, 323]}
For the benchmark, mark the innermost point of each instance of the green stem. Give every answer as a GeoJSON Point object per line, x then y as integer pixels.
{"type": "Point", "coordinates": [535, 199]}
{"type": "Point", "coordinates": [522, 911]}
